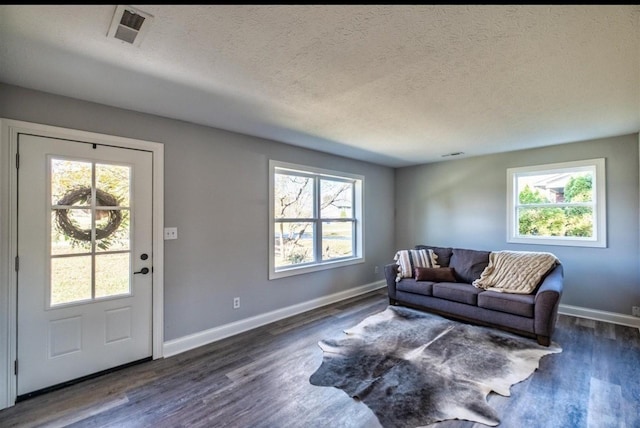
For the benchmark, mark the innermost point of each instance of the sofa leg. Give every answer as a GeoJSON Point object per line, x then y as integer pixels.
{"type": "Point", "coordinates": [544, 340]}
{"type": "Point", "coordinates": [392, 302]}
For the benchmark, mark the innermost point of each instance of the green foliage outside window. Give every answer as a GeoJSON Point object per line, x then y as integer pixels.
{"type": "Point", "coordinates": [568, 220]}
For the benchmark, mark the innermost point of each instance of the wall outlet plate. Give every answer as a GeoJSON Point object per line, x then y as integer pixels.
{"type": "Point", "coordinates": [236, 302]}
{"type": "Point", "coordinates": [635, 311]}
{"type": "Point", "coordinates": [170, 233]}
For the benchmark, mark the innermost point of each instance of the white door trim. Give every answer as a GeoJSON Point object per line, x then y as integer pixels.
{"type": "Point", "coordinates": [9, 130]}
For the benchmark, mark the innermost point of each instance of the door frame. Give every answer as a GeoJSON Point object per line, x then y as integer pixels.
{"type": "Point", "coordinates": [9, 131]}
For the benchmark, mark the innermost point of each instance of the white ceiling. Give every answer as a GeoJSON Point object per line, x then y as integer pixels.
{"type": "Point", "coordinates": [395, 85]}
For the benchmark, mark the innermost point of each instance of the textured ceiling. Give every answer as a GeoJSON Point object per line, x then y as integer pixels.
{"type": "Point", "coordinates": [395, 85]}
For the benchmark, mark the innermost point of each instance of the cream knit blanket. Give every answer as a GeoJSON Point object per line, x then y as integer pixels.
{"type": "Point", "coordinates": [515, 271]}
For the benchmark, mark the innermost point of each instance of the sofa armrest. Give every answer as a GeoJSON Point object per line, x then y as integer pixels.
{"type": "Point", "coordinates": [390, 273]}
{"type": "Point", "coordinates": [547, 301]}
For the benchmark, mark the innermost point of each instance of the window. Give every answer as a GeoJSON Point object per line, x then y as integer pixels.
{"type": "Point", "coordinates": [558, 204]}
{"type": "Point", "coordinates": [315, 219]}
{"type": "Point", "coordinates": [90, 245]}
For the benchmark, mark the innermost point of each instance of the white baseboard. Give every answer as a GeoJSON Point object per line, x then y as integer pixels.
{"type": "Point", "coordinates": [594, 314]}
{"type": "Point", "coordinates": [185, 343]}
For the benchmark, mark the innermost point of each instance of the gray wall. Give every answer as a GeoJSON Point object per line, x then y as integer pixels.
{"type": "Point", "coordinates": [462, 203]}
{"type": "Point", "coordinates": [216, 190]}
{"type": "Point", "coordinates": [216, 194]}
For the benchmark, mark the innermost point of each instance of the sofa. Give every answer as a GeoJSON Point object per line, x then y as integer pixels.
{"type": "Point", "coordinates": [532, 315]}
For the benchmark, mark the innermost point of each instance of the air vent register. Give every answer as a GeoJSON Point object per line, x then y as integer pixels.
{"type": "Point", "coordinates": [129, 25]}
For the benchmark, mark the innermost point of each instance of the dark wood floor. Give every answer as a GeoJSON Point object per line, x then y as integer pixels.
{"type": "Point", "coordinates": [261, 379]}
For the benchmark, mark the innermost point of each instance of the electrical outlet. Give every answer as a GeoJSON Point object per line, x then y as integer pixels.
{"type": "Point", "coordinates": [376, 269]}
{"type": "Point", "coordinates": [236, 302]}
{"type": "Point", "coordinates": [170, 233]}
{"type": "Point", "coordinates": [635, 311]}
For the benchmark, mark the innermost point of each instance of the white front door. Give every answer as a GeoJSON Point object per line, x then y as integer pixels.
{"type": "Point", "coordinates": [84, 248]}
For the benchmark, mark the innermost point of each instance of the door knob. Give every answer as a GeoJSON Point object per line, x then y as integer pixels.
{"type": "Point", "coordinates": [143, 271]}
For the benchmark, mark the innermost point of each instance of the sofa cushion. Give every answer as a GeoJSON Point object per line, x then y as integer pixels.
{"type": "Point", "coordinates": [443, 274]}
{"type": "Point", "coordinates": [468, 264]}
{"type": "Point", "coordinates": [418, 287]}
{"type": "Point", "coordinates": [517, 304]}
{"type": "Point", "coordinates": [457, 292]}
{"type": "Point", "coordinates": [443, 253]}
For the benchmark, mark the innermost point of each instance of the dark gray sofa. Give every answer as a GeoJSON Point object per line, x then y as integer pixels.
{"type": "Point", "coordinates": [532, 315]}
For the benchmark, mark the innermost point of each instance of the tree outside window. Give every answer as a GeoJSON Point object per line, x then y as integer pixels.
{"type": "Point", "coordinates": [316, 218]}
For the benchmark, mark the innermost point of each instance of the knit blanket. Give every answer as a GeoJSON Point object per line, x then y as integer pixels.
{"type": "Point", "coordinates": [517, 272]}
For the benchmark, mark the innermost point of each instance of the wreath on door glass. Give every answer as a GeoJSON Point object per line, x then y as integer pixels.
{"type": "Point", "coordinates": [83, 195]}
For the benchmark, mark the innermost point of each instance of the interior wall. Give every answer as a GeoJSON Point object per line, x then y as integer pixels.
{"type": "Point", "coordinates": [216, 191]}
{"type": "Point", "coordinates": [462, 203]}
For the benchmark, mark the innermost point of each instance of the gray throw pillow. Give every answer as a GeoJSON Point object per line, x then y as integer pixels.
{"type": "Point", "coordinates": [468, 264]}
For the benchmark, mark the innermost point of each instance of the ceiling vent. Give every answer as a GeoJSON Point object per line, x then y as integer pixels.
{"type": "Point", "coordinates": [452, 154]}
{"type": "Point", "coordinates": [129, 25]}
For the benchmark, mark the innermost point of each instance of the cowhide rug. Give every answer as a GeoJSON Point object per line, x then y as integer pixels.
{"type": "Point", "coordinates": [413, 368]}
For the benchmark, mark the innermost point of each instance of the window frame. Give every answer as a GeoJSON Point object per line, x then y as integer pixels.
{"type": "Point", "coordinates": [357, 219]}
{"type": "Point", "coordinates": [599, 239]}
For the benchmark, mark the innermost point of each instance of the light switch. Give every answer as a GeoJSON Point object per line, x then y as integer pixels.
{"type": "Point", "coordinates": [170, 233]}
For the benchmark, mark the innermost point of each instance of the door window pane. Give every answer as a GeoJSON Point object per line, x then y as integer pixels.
{"type": "Point", "coordinates": [112, 230]}
{"type": "Point", "coordinates": [113, 180]}
{"type": "Point", "coordinates": [61, 243]}
{"type": "Point", "coordinates": [67, 178]}
{"type": "Point", "coordinates": [112, 274]}
{"type": "Point", "coordinates": [70, 279]}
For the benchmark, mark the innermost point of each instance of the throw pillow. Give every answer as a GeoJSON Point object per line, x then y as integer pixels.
{"type": "Point", "coordinates": [443, 253]}
{"type": "Point", "coordinates": [407, 260]}
{"type": "Point", "coordinates": [443, 274]}
{"type": "Point", "coordinates": [468, 264]}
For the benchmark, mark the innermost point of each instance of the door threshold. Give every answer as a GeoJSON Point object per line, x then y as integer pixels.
{"type": "Point", "coordinates": [56, 387]}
